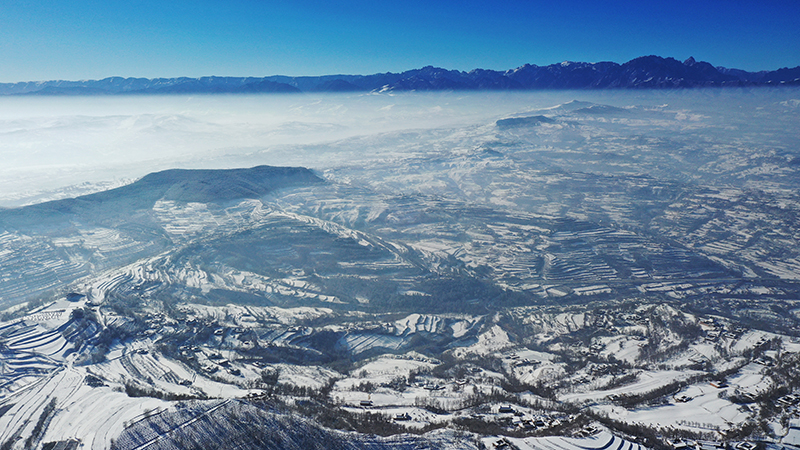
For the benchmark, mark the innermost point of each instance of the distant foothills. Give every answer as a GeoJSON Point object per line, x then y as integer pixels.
{"type": "Point", "coordinates": [653, 72]}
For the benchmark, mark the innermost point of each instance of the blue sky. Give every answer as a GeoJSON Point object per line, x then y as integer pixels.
{"type": "Point", "coordinates": [92, 39]}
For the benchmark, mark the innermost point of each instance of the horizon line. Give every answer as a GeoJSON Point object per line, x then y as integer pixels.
{"type": "Point", "coordinates": [379, 73]}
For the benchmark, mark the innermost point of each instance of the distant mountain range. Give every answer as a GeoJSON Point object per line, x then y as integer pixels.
{"type": "Point", "coordinates": [652, 72]}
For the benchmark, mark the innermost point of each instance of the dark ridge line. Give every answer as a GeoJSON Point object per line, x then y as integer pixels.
{"type": "Point", "coordinates": [646, 72]}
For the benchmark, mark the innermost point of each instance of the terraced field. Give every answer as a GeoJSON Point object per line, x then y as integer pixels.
{"type": "Point", "coordinates": [609, 277]}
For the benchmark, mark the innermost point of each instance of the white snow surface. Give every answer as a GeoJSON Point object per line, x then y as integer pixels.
{"type": "Point", "coordinates": [600, 441]}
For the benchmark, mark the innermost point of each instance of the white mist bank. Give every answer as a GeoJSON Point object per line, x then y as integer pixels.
{"type": "Point", "coordinates": [64, 146]}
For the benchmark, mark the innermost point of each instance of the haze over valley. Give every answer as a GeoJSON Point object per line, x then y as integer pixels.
{"type": "Point", "coordinates": [536, 269]}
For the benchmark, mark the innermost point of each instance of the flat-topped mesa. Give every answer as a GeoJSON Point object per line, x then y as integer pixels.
{"type": "Point", "coordinates": [181, 185]}
{"type": "Point", "coordinates": [213, 185]}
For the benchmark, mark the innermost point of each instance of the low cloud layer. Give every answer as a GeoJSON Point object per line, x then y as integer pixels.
{"type": "Point", "coordinates": [54, 146]}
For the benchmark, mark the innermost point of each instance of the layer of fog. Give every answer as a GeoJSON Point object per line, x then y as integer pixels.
{"type": "Point", "coordinates": [52, 147]}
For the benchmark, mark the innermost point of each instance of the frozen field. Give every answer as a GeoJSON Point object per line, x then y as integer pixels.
{"type": "Point", "coordinates": [376, 264]}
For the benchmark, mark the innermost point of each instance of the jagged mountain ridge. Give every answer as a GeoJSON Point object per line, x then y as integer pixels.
{"type": "Point", "coordinates": [643, 72]}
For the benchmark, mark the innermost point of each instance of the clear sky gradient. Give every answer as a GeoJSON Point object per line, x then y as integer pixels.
{"type": "Point", "coordinates": [93, 39]}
